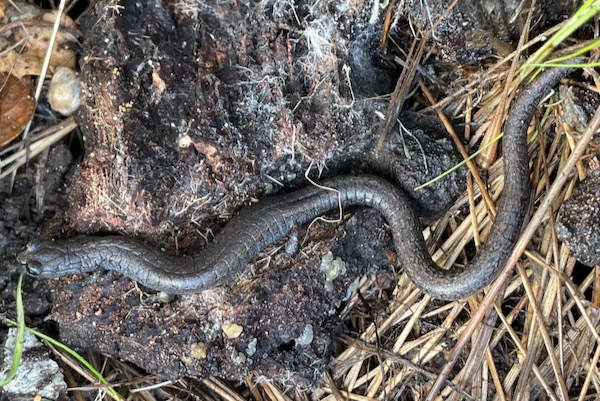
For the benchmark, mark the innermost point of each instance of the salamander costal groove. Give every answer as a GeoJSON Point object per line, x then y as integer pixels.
{"type": "Point", "coordinates": [265, 222]}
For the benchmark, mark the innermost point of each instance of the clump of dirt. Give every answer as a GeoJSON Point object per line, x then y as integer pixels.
{"type": "Point", "coordinates": [578, 225]}
{"type": "Point", "coordinates": [476, 30]}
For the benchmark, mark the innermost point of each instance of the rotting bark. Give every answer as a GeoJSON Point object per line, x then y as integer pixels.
{"type": "Point", "coordinates": [191, 112]}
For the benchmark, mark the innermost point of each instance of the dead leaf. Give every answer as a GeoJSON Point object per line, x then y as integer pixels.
{"type": "Point", "coordinates": [38, 38]}
{"type": "Point", "coordinates": [16, 106]}
{"type": "Point", "coordinates": [65, 23]}
{"type": "Point", "coordinates": [24, 53]}
{"type": "Point", "coordinates": [20, 65]}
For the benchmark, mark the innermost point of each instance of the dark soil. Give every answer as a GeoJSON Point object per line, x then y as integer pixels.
{"type": "Point", "coordinates": [31, 203]}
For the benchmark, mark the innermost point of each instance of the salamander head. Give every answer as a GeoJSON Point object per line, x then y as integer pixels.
{"type": "Point", "coordinates": [44, 259]}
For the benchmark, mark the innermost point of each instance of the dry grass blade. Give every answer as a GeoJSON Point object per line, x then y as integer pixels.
{"type": "Point", "coordinates": [519, 249]}
{"type": "Point", "coordinates": [489, 155]}
{"type": "Point", "coordinates": [72, 363]}
{"type": "Point", "coordinates": [18, 159]}
{"type": "Point", "coordinates": [463, 152]}
{"type": "Point", "coordinates": [406, 78]}
{"type": "Point", "coordinates": [222, 389]}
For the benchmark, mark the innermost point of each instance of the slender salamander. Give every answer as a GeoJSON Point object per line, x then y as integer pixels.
{"type": "Point", "coordinates": [265, 222]}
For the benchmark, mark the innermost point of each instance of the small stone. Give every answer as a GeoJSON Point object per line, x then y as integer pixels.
{"type": "Point", "coordinates": [306, 337]}
{"type": "Point", "coordinates": [232, 330]}
{"type": "Point", "coordinates": [251, 349]}
{"type": "Point", "coordinates": [332, 267]}
{"type": "Point", "coordinates": [64, 90]}
{"type": "Point", "coordinates": [198, 350]}
{"type": "Point", "coordinates": [38, 373]}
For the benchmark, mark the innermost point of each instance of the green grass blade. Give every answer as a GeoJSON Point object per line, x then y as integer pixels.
{"type": "Point", "coordinates": [445, 173]}
{"type": "Point", "coordinates": [20, 323]}
{"type": "Point", "coordinates": [71, 352]}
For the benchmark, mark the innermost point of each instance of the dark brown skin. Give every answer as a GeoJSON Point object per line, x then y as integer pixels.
{"type": "Point", "coordinates": [261, 224]}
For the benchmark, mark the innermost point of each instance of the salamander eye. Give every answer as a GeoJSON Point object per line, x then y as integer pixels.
{"type": "Point", "coordinates": [34, 268]}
